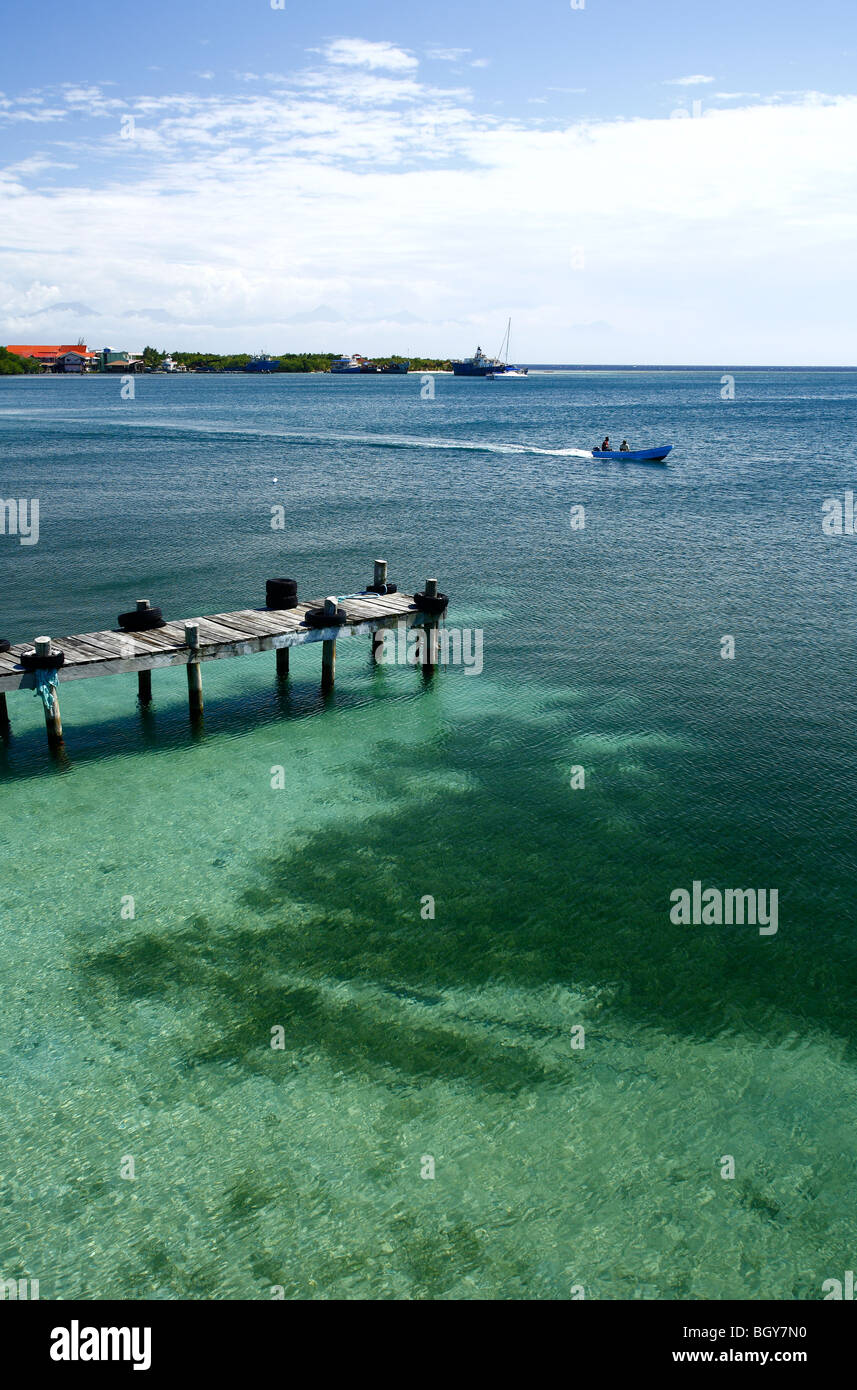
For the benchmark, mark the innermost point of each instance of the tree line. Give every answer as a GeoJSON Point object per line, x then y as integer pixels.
{"type": "Point", "coordinates": [286, 361]}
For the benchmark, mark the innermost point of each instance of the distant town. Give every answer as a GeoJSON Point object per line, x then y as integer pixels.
{"type": "Point", "coordinates": [19, 359]}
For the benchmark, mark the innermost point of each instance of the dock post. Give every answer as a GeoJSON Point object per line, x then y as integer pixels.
{"type": "Point", "coordinates": [328, 652]}
{"type": "Point", "coordinates": [380, 576]}
{"type": "Point", "coordinates": [4, 714]}
{"type": "Point", "coordinates": [144, 678]}
{"type": "Point", "coordinates": [377, 645]}
{"type": "Point", "coordinates": [430, 629]}
{"type": "Point", "coordinates": [53, 721]}
{"type": "Point", "coordinates": [282, 663]}
{"type": "Point", "coordinates": [194, 672]}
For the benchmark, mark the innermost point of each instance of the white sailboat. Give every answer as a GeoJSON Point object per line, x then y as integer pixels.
{"type": "Point", "coordinates": [504, 370]}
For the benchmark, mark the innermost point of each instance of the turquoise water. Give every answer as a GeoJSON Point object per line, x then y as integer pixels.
{"type": "Point", "coordinates": [301, 908]}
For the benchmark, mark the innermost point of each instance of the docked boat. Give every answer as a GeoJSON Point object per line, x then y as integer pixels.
{"type": "Point", "coordinates": [352, 364]}
{"type": "Point", "coordinates": [261, 363]}
{"type": "Point", "coordinates": [391, 368]}
{"type": "Point", "coordinates": [634, 455]}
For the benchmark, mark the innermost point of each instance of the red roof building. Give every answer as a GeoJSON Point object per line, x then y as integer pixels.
{"type": "Point", "coordinates": [49, 355]}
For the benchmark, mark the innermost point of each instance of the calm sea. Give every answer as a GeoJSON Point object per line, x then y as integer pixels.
{"type": "Point", "coordinates": [144, 1044]}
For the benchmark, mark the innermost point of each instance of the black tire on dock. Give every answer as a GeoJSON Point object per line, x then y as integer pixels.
{"type": "Point", "coordinates": [4, 645]}
{"type": "Point", "coordinates": [141, 620]}
{"type": "Point", "coordinates": [382, 588]}
{"type": "Point", "coordinates": [280, 601]}
{"type": "Point", "coordinates": [31, 661]}
{"type": "Point", "coordinates": [282, 586]}
{"type": "Point", "coordinates": [316, 617]}
{"type": "Point", "coordinates": [431, 603]}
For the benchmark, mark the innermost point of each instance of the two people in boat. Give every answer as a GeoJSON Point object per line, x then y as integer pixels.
{"type": "Point", "coordinates": [624, 447]}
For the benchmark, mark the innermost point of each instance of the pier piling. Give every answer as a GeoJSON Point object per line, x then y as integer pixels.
{"type": "Point", "coordinates": [144, 678]}
{"type": "Point", "coordinates": [53, 720]}
{"type": "Point", "coordinates": [194, 670]}
{"type": "Point", "coordinates": [328, 651]}
{"type": "Point", "coordinates": [380, 576]}
{"type": "Point", "coordinates": [4, 714]}
{"type": "Point", "coordinates": [282, 663]}
{"type": "Point", "coordinates": [431, 627]}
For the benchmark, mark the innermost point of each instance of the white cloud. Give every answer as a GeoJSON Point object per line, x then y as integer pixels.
{"type": "Point", "coordinates": [314, 204]}
{"type": "Point", "coordinates": [447, 55]}
{"type": "Point", "coordinates": [366, 54]}
{"type": "Point", "coordinates": [695, 81]}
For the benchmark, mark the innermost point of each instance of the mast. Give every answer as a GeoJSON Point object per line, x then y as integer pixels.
{"type": "Point", "coordinates": [504, 346]}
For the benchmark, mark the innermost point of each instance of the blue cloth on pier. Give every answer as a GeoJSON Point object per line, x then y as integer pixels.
{"type": "Point", "coordinates": [46, 684]}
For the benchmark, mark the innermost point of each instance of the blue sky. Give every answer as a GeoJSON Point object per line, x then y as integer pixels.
{"type": "Point", "coordinates": [643, 181]}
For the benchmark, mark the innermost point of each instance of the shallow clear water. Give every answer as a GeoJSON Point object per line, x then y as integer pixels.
{"type": "Point", "coordinates": [300, 907]}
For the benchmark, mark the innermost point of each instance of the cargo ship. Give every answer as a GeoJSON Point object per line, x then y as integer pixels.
{"type": "Point", "coordinates": [494, 367]}
{"type": "Point", "coordinates": [477, 365]}
{"type": "Point", "coordinates": [261, 363]}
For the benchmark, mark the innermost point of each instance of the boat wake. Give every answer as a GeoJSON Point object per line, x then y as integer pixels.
{"type": "Point", "coordinates": [374, 441]}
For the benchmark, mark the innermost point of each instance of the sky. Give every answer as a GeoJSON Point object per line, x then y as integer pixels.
{"type": "Point", "coordinates": [634, 181]}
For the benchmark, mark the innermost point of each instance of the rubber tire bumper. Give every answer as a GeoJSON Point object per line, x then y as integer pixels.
{"type": "Point", "coordinates": [32, 662]}
{"type": "Point", "coordinates": [141, 620]}
{"type": "Point", "coordinates": [4, 645]}
{"type": "Point", "coordinates": [287, 587]}
{"type": "Point", "coordinates": [431, 603]}
{"type": "Point", "coordinates": [276, 602]}
{"type": "Point", "coordinates": [316, 617]}
{"type": "Point", "coordinates": [382, 588]}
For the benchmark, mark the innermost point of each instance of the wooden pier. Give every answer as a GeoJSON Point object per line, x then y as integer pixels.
{"type": "Point", "coordinates": [194, 641]}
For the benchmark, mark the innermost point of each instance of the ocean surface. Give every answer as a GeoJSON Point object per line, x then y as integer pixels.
{"type": "Point", "coordinates": [144, 1044]}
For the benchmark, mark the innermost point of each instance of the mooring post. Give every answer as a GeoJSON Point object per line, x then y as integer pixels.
{"type": "Point", "coordinates": [282, 663]}
{"type": "Point", "coordinates": [377, 644]}
{"type": "Point", "coordinates": [430, 629]}
{"type": "Point", "coordinates": [328, 653]}
{"type": "Point", "coordinates": [53, 722]}
{"type": "Point", "coordinates": [144, 678]}
{"type": "Point", "coordinates": [380, 576]}
{"type": "Point", "coordinates": [194, 670]}
{"type": "Point", "coordinates": [4, 713]}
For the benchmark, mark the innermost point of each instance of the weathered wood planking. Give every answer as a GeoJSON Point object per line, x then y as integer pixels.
{"type": "Point", "coordinates": [221, 635]}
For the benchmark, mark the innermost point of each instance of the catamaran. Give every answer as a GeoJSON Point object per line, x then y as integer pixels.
{"type": "Point", "coordinates": [503, 369]}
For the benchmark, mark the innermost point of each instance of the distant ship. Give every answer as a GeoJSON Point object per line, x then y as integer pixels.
{"type": "Point", "coordinates": [364, 366]}
{"type": "Point", "coordinates": [477, 365]}
{"type": "Point", "coordinates": [493, 367]}
{"type": "Point", "coordinates": [261, 363]}
{"type": "Point", "coordinates": [347, 364]}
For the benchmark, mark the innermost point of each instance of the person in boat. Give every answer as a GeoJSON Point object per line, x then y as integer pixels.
{"type": "Point", "coordinates": [624, 447]}
{"type": "Point", "coordinates": [606, 444]}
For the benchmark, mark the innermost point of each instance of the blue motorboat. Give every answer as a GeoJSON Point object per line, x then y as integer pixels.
{"type": "Point", "coordinates": [634, 455]}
